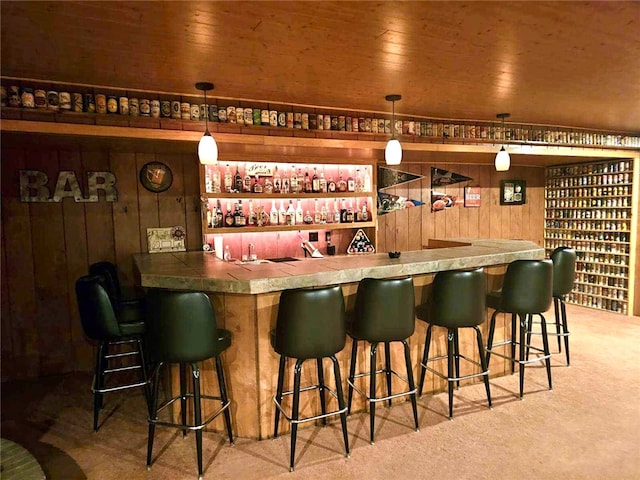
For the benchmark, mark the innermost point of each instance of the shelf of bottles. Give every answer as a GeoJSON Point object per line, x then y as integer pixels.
{"type": "Point", "coordinates": [257, 196]}
{"type": "Point", "coordinates": [588, 208]}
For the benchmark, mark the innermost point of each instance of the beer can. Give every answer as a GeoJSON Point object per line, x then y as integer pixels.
{"type": "Point", "coordinates": [289, 119]}
{"type": "Point", "coordinates": [134, 107]}
{"type": "Point", "coordinates": [123, 106]}
{"type": "Point", "coordinates": [273, 118]}
{"type": "Point", "coordinates": [53, 101]}
{"type": "Point", "coordinates": [78, 104]}
{"type": "Point", "coordinates": [327, 122]}
{"type": "Point", "coordinates": [155, 108]}
{"type": "Point", "coordinates": [355, 124]}
{"type": "Point", "coordinates": [65, 101]}
{"type": "Point", "coordinates": [3, 95]}
{"type": "Point", "coordinates": [112, 103]}
{"type": "Point", "coordinates": [367, 125]}
{"type": "Point", "coordinates": [297, 120]}
{"type": "Point", "coordinates": [240, 115]}
{"type": "Point", "coordinates": [387, 125]}
{"type": "Point", "coordinates": [361, 124]}
{"type": "Point", "coordinates": [185, 110]}
{"type": "Point", "coordinates": [282, 119]}
{"type": "Point", "coordinates": [334, 122]}
{"type": "Point", "coordinates": [195, 112]}
{"type": "Point", "coordinates": [313, 121]}
{"type": "Point", "coordinates": [213, 113]}
{"type": "Point", "coordinates": [40, 99]}
{"type": "Point", "coordinates": [27, 98]}
{"type": "Point", "coordinates": [13, 96]}
{"type": "Point", "coordinates": [248, 116]}
{"type": "Point", "coordinates": [405, 127]}
{"type": "Point", "coordinates": [222, 114]}
{"type": "Point", "coordinates": [257, 116]}
{"type": "Point", "coordinates": [374, 125]}
{"type": "Point", "coordinates": [341, 123]}
{"type": "Point", "coordinates": [89, 103]}
{"type": "Point", "coordinates": [165, 108]}
{"type": "Point", "coordinates": [231, 114]}
{"type": "Point", "coordinates": [320, 121]}
{"type": "Point", "coordinates": [264, 117]}
{"type": "Point", "coordinates": [412, 127]}
{"type": "Point", "coordinates": [348, 125]}
{"type": "Point", "coordinates": [175, 110]}
{"type": "Point", "coordinates": [145, 107]}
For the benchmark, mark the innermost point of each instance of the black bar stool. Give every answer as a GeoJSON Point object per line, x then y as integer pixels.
{"type": "Point", "coordinates": [526, 291]}
{"type": "Point", "coordinates": [181, 329]}
{"type": "Point", "coordinates": [127, 308]}
{"type": "Point", "coordinates": [120, 345]}
{"type": "Point", "coordinates": [457, 301]}
{"type": "Point", "coordinates": [310, 325]}
{"type": "Point", "coordinates": [384, 313]}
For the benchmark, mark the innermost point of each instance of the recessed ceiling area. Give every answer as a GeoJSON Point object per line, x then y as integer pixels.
{"type": "Point", "coordinates": [573, 64]}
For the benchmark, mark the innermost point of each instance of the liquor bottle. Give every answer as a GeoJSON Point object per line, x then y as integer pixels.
{"type": "Point", "coordinates": [299, 214]}
{"type": "Point", "coordinates": [358, 185]}
{"type": "Point", "coordinates": [350, 216]}
{"type": "Point", "coordinates": [239, 220]}
{"type": "Point", "coordinates": [277, 181]}
{"type": "Point", "coordinates": [208, 181]}
{"type": "Point", "coordinates": [331, 186]}
{"type": "Point", "coordinates": [251, 220]}
{"type": "Point", "coordinates": [282, 214]}
{"type": "Point", "coordinates": [228, 180]}
{"type": "Point", "coordinates": [308, 187]}
{"type": "Point", "coordinates": [268, 186]}
{"type": "Point", "coordinates": [323, 213]}
{"type": "Point", "coordinates": [336, 212]}
{"type": "Point", "coordinates": [237, 180]}
{"type": "Point", "coordinates": [342, 185]}
{"type": "Point", "coordinates": [366, 187]}
{"type": "Point", "coordinates": [365, 212]}
{"type": "Point", "coordinates": [257, 186]}
{"type": "Point", "coordinates": [209, 217]}
{"type": "Point", "coordinates": [219, 222]}
{"type": "Point", "coordinates": [329, 213]}
{"type": "Point", "coordinates": [308, 219]}
{"type": "Point", "coordinates": [315, 181]}
{"type": "Point", "coordinates": [358, 213]}
{"type": "Point", "coordinates": [293, 180]}
{"type": "Point", "coordinates": [300, 181]}
{"type": "Point", "coordinates": [316, 212]}
{"type": "Point", "coordinates": [273, 214]}
{"type": "Point", "coordinates": [351, 183]}
{"type": "Point", "coordinates": [228, 218]}
{"type": "Point", "coordinates": [291, 214]}
{"type": "Point", "coordinates": [322, 183]}
{"type": "Point", "coordinates": [343, 212]}
{"type": "Point", "coordinates": [246, 184]}
{"type": "Point", "coordinates": [286, 185]}
{"type": "Point", "coordinates": [215, 180]}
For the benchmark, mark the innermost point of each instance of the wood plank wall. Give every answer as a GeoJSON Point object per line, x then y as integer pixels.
{"type": "Point", "coordinates": [411, 228]}
{"type": "Point", "coordinates": [47, 246]}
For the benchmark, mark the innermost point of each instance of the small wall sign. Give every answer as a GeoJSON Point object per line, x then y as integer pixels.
{"type": "Point", "coordinates": [259, 169]}
{"type": "Point", "coordinates": [472, 196]}
{"type": "Point", "coordinates": [513, 192]}
{"type": "Point", "coordinates": [34, 187]}
{"type": "Point", "coordinates": [156, 177]}
{"type": "Point", "coordinates": [167, 239]}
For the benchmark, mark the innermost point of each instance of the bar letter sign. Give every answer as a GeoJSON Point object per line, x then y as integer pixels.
{"type": "Point", "coordinates": [33, 187]}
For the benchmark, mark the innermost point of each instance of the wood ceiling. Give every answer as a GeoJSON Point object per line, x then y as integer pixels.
{"type": "Point", "coordinates": [562, 63]}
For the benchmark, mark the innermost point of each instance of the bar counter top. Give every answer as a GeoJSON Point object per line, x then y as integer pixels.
{"type": "Point", "coordinates": [204, 272]}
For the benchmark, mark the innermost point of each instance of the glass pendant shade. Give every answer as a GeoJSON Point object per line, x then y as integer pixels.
{"type": "Point", "coordinates": [503, 161]}
{"type": "Point", "coordinates": [393, 152]}
{"type": "Point", "coordinates": [208, 150]}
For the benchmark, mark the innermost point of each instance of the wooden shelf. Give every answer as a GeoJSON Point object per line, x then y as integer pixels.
{"type": "Point", "coordinates": [292, 196]}
{"type": "Point", "coordinates": [290, 228]}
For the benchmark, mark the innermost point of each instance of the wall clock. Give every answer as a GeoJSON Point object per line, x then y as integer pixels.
{"type": "Point", "coordinates": [156, 177]}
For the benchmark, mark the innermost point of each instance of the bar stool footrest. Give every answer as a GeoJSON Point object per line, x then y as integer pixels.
{"type": "Point", "coordinates": [314, 417]}
{"type": "Point", "coordinates": [189, 426]}
{"type": "Point", "coordinates": [455, 379]}
{"type": "Point", "coordinates": [386, 397]}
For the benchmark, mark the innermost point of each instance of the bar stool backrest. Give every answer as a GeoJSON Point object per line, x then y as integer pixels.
{"type": "Point", "coordinates": [181, 326]}
{"type": "Point", "coordinates": [111, 283]}
{"type": "Point", "coordinates": [527, 287]}
{"type": "Point", "coordinates": [564, 270]}
{"type": "Point", "coordinates": [385, 309]}
{"type": "Point", "coordinates": [96, 310]}
{"type": "Point", "coordinates": [311, 323]}
{"type": "Point", "coordinates": [458, 298]}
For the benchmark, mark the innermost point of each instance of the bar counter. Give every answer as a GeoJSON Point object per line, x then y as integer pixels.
{"type": "Point", "coordinates": [245, 298]}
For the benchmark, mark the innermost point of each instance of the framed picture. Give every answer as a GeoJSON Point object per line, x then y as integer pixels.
{"type": "Point", "coordinates": [156, 177]}
{"type": "Point", "coordinates": [513, 192]}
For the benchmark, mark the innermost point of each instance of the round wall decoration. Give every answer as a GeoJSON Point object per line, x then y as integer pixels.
{"type": "Point", "coordinates": [156, 177]}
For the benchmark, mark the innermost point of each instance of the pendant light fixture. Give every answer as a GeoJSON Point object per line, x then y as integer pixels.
{"type": "Point", "coordinates": [207, 148]}
{"type": "Point", "coordinates": [503, 161]}
{"type": "Point", "coordinates": [393, 150]}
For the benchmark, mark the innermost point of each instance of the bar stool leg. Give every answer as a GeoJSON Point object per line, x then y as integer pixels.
{"type": "Point", "coordinates": [450, 369]}
{"type": "Point", "coordinates": [183, 397]}
{"type": "Point", "coordinates": [523, 330]}
{"type": "Point", "coordinates": [295, 410]}
{"type": "Point", "coordinates": [565, 329]}
{"type": "Point", "coordinates": [352, 373]}
{"type": "Point", "coordinates": [412, 385]}
{"type": "Point", "coordinates": [197, 414]}
{"type": "Point", "coordinates": [144, 374]}
{"type": "Point", "coordinates": [425, 359]}
{"type": "Point", "coordinates": [225, 399]}
{"type": "Point", "coordinates": [283, 360]}
{"type": "Point", "coordinates": [545, 344]}
{"type": "Point", "coordinates": [341, 405]}
{"type": "Point", "coordinates": [456, 356]}
{"type": "Point", "coordinates": [98, 383]}
{"type": "Point", "coordinates": [323, 404]}
{"type": "Point", "coordinates": [153, 413]}
{"type": "Point", "coordinates": [529, 330]}
{"type": "Point", "coordinates": [372, 391]}
{"type": "Point", "coordinates": [492, 329]}
{"type": "Point", "coordinates": [483, 363]}
{"type": "Point", "coordinates": [387, 362]}
{"type": "Point", "coordinates": [513, 343]}
{"type": "Point", "coordinates": [556, 311]}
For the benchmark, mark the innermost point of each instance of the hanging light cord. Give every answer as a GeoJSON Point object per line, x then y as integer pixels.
{"type": "Point", "coordinates": [206, 114]}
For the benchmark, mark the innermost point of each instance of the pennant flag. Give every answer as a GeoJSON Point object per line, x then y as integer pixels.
{"type": "Point", "coordinates": [388, 177]}
{"type": "Point", "coordinates": [440, 178]}
{"type": "Point", "coordinates": [389, 203]}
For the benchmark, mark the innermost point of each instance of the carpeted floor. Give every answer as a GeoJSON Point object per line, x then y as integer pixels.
{"type": "Point", "coordinates": [587, 427]}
